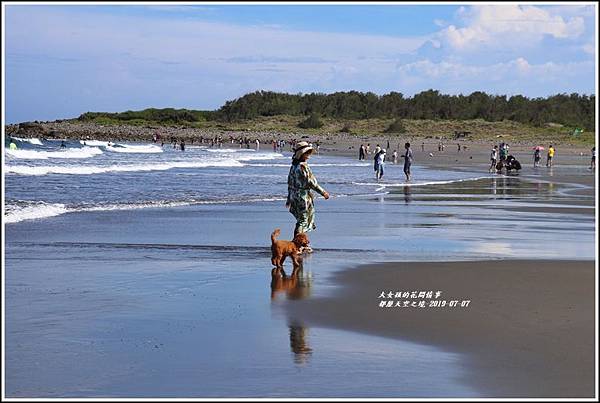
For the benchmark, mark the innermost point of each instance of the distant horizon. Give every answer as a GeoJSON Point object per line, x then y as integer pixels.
{"type": "Point", "coordinates": [65, 60]}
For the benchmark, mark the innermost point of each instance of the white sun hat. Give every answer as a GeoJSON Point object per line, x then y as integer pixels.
{"type": "Point", "coordinates": [302, 148]}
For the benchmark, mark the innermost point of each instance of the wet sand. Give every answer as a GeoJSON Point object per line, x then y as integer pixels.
{"type": "Point", "coordinates": [527, 332]}
{"type": "Point", "coordinates": [178, 300]}
{"type": "Point", "coordinates": [530, 328]}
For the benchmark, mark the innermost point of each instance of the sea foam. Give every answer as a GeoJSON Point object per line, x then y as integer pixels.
{"type": "Point", "coordinates": [85, 152]}
{"type": "Point", "coordinates": [23, 211]}
{"type": "Point", "coordinates": [34, 141]}
{"type": "Point", "coordinates": [127, 148]}
{"type": "Point", "coordinates": [93, 169]}
{"type": "Point", "coordinates": [32, 210]}
{"type": "Point", "coordinates": [94, 143]}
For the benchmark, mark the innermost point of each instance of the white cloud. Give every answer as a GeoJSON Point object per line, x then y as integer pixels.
{"type": "Point", "coordinates": [499, 25]}
{"type": "Point", "coordinates": [522, 65]}
{"type": "Point", "coordinates": [570, 10]}
{"type": "Point", "coordinates": [190, 41]}
{"type": "Point", "coordinates": [514, 76]}
{"type": "Point", "coordinates": [128, 62]}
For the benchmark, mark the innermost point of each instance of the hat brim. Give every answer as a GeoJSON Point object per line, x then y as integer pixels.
{"type": "Point", "coordinates": [301, 151]}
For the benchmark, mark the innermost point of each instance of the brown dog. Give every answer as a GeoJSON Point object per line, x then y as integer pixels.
{"type": "Point", "coordinates": [281, 249]}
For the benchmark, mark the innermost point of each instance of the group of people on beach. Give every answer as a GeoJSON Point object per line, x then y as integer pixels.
{"type": "Point", "coordinates": [243, 142]}
{"type": "Point", "coordinates": [379, 158]}
{"type": "Point", "coordinates": [537, 156]}
{"type": "Point", "coordinates": [499, 156]}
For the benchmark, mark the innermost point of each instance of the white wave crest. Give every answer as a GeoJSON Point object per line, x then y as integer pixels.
{"type": "Point", "coordinates": [91, 169]}
{"type": "Point", "coordinates": [94, 143]}
{"type": "Point", "coordinates": [229, 150]}
{"type": "Point", "coordinates": [253, 157]}
{"type": "Point", "coordinates": [168, 203]}
{"type": "Point", "coordinates": [32, 211]}
{"type": "Point", "coordinates": [128, 148]}
{"type": "Point", "coordinates": [34, 141]}
{"type": "Point", "coordinates": [85, 152]}
{"type": "Point", "coordinates": [37, 210]}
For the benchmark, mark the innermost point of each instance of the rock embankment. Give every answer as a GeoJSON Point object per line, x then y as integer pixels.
{"type": "Point", "coordinates": [86, 130]}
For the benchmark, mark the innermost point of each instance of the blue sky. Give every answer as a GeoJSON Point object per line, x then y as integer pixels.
{"type": "Point", "coordinates": [63, 60]}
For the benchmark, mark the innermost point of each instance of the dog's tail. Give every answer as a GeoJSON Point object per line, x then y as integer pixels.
{"type": "Point", "coordinates": [275, 234]}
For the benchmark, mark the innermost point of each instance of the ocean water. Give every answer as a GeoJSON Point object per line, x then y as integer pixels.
{"type": "Point", "coordinates": [44, 180]}
{"type": "Point", "coordinates": [146, 271]}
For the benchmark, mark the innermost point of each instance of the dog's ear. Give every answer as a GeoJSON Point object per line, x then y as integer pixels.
{"type": "Point", "coordinates": [302, 239]}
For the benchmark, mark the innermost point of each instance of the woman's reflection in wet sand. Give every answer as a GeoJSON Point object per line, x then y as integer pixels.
{"type": "Point", "coordinates": [299, 343]}
{"type": "Point", "coordinates": [294, 286]}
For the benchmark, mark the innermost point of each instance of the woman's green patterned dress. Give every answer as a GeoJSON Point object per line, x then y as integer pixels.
{"type": "Point", "coordinates": [300, 199]}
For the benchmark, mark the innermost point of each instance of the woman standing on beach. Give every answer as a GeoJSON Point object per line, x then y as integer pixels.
{"type": "Point", "coordinates": [493, 158]}
{"type": "Point", "coordinates": [379, 164]}
{"type": "Point", "coordinates": [301, 181]}
{"type": "Point", "coordinates": [537, 157]}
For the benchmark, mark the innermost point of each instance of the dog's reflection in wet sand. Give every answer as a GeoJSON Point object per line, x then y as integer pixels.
{"type": "Point", "coordinates": [294, 286]}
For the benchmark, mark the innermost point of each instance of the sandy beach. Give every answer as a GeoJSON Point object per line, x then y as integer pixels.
{"type": "Point", "coordinates": [528, 330]}
{"type": "Point", "coordinates": [439, 159]}
{"type": "Point", "coordinates": [175, 298]}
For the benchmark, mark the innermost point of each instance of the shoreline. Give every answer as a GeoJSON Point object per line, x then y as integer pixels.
{"type": "Point", "coordinates": [485, 368]}
{"type": "Point", "coordinates": [528, 331]}
{"type": "Point", "coordinates": [336, 141]}
{"type": "Point", "coordinates": [475, 156]}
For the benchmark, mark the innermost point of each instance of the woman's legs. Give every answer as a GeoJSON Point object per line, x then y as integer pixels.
{"type": "Point", "coordinates": [305, 220]}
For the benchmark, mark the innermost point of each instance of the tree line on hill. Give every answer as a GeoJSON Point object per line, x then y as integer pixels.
{"type": "Point", "coordinates": [571, 110]}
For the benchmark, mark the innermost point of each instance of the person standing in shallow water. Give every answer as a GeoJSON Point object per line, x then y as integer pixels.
{"type": "Point", "coordinates": [550, 155]}
{"type": "Point", "coordinates": [301, 181]}
{"type": "Point", "coordinates": [379, 164]}
{"type": "Point", "coordinates": [408, 159]}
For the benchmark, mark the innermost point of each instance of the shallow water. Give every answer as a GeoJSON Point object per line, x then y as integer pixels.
{"type": "Point", "coordinates": [47, 180]}
{"type": "Point", "coordinates": [178, 301]}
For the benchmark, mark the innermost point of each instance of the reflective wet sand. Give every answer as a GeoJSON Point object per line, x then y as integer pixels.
{"type": "Point", "coordinates": [181, 302]}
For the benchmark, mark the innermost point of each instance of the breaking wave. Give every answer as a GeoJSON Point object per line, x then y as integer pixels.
{"type": "Point", "coordinates": [32, 210]}
{"type": "Point", "coordinates": [127, 148]}
{"type": "Point", "coordinates": [85, 152]}
{"type": "Point", "coordinates": [91, 169]}
{"type": "Point", "coordinates": [34, 141]}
